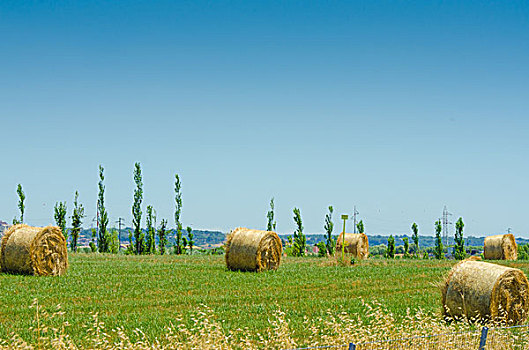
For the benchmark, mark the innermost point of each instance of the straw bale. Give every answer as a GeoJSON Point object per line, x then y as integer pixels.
{"type": "Point", "coordinates": [253, 250]}
{"type": "Point", "coordinates": [481, 290]}
{"type": "Point", "coordinates": [356, 244]}
{"type": "Point", "coordinates": [34, 251]}
{"type": "Point", "coordinates": [500, 247]}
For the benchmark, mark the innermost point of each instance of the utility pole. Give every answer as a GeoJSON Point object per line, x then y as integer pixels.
{"type": "Point", "coordinates": [120, 222]}
{"type": "Point", "coordinates": [355, 213]}
{"type": "Point", "coordinates": [445, 223]}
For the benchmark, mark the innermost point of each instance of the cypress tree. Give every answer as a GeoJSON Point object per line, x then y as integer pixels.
{"type": "Point", "coordinates": [77, 221]}
{"type": "Point", "coordinates": [136, 210]}
{"type": "Point", "coordinates": [102, 216]}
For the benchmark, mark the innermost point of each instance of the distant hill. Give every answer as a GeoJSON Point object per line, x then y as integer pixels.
{"type": "Point", "coordinates": [3, 226]}
{"type": "Point", "coordinates": [202, 238]}
{"type": "Point", "coordinates": [208, 239]}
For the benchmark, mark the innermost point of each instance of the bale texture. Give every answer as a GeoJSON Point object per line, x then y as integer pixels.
{"type": "Point", "coordinates": [356, 244]}
{"type": "Point", "coordinates": [34, 251]}
{"type": "Point", "coordinates": [480, 290]}
{"type": "Point", "coordinates": [500, 247]}
{"type": "Point", "coordinates": [253, 250]}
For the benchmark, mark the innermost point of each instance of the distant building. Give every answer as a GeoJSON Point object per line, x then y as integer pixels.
{"type": "Point", "coordinates": [3, 226]}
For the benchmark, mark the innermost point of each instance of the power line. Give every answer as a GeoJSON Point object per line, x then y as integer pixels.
{"type": "Point", "coordinates": [120, 221]}
{"type": "Point", "coordinates": [355, 212]}
{"type": "Point", "coordinates": [446, 223]}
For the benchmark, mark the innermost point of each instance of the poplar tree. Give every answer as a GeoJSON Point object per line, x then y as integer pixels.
{"type": "Point", "coordinates": [162, 239]}
{"type": "Point", "coordinates": [178, 211]}
{"type": "Point", "coordinates": [459, 247]}
{"type": "Point", "coordinates": [390, 251]}
{"type": "Point", "coordinates": [438, 250]}
{"type": "Point", "coordinates": [360, 227]}
{"type": "Point", "coordinates": [102, 215]}
{"type": "Point", "coordinates": [415, 237]}
{"type": "Point", "coordinates": [190, 239]}
{"type": "Point", "coordinates": [113, 241]}
{"type": "Point", "coordinates": [151, 232]}
{"type": "Point", "coordinates": [270, 215]}
{"type": "Point", "coordinates": [21, 206]}
{"type": "Point", "coordinates": [330, 244]}
{"type": "Point", "coordinates": [299, 236]}
{"type": "Point", "coordinates": [77, 221]}
{"type": "Point", "coordinates": [406, 247]}
{"type": "Point", "coordinates": [136, 210]}
{"type": "Point", "coordinates": [60, 217]}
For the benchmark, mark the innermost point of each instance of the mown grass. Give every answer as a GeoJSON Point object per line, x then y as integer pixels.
{"type": "Point", "coordinates": [151, 292]}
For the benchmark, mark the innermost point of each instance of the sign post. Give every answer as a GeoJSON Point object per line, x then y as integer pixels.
{"type": "Point", "coordinates": [344, 218]}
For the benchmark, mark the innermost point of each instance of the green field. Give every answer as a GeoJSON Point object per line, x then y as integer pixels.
{"type": "Point", "coordinates": [152, 292]}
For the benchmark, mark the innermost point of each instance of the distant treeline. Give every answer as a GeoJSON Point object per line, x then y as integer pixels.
{"type": "Point", "coordinates": [201, 237]}
{"type": "Point", "coordinates": [424, 241]}
{"type": "Point", "coordinates": [206, 237]}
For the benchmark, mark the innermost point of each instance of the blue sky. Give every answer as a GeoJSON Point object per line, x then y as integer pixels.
{"type": "Point", "coordinates": [397, 107]}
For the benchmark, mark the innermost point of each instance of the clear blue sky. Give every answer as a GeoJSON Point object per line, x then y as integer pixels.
{"type": "Point", "coordinates": [397, 107]}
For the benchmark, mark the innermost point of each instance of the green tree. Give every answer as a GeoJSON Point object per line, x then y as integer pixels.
{"type": "Point", "coordinates": [322, 249]}
{"type": "Point", "coordinates": [179, 247]}
{"type": "Point", "coordinates": [77, 221]}
{"type": "Point", "coordinates": [92, 244]}
{"type": "Point", "coordinates": [21, 205]}
{"type": "Point", "coordinates": [151, 231]}
{"type": "Point", "coordinates": [330, 243]}
{"type": "Point", "coordinates": [459, 247]}
{"type": "Point", "coordinates": [102, 215]}
{"type": "Point", "coordinates": [190, 241]}
{"type": "Point", "coordinates": [390, 251]}
{"type": "Point", "coordinates": [60, 217]}
{"type": "Point", "coordinates": [406, 247]}
{"type": "Point", "coordinates": [523, 251]}
{"type": "Point", "coordinates": [360, 227]}
{"type": "Point", "coordinates": [270, 215]}
{"type": "Point", "coordinates": [131, 247]}
{"type": "Point", "coordinates": [415, 237]}
{"type": "Point", "coordinates": [136, 210]}
{"type": "Point", "coordinates": [299, 237]}
{"type": "Point", "coordinates": [113, 241]}
{"type": "Point", "coordinates": [438, 250]}
{"type": "Point", "coordinates": [162, 236]}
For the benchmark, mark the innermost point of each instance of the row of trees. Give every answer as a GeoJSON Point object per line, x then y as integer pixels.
{"type": "Point", "coordinates": [327, 247]}
{"type": "Point", "coordinates": [140, 241]}
{"type": "Point", "coordinates": [298, 241]}
{"type": "Point", "coordinates": [438, 252]}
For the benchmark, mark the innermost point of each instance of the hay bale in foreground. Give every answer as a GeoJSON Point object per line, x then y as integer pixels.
{"type": "Point", "coordinates": [480, 290]}
{"type": "Point", "coordinates": [500, 247]}
{"type": "Point", "coordinates": [34, 251]}
{"type": "Point", "coordinates": [356, 244]}
{"type": "Point", "coordinates": [253, 250]}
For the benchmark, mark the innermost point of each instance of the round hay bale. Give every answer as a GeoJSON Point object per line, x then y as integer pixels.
{"type": "Point", "coordinates": [356, 244]}
{"type": "Point", "coordinates": [480, 290]}
{"type": "Point", "coordinates": [253, 250]}
{"type": "Point", "coordinates": [500, 247]}
{"type": "Point", "coordinates": [34, 251]}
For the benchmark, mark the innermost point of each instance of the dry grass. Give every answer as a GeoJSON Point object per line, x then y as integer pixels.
{"type": "Point", "coordinates": [207, 332]}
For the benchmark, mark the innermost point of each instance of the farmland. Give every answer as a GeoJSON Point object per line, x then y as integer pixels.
{"type": "Point", "coordinates": [150, 293]}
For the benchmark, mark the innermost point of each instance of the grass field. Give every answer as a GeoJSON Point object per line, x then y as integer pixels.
{"type": "Point", "coordinates": [151, 292]}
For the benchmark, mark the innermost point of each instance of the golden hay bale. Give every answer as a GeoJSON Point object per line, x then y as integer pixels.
{"type": "Point", "coordinates": [253, 250]}
{"type": "Point", "coordinates": [500, 247]}
{"type": "Point", "coordinates": [34, 251]}
{"type": "Point", "coordinates": [356, 244]}
{"type": "Point", "coordinates": [477, 289]}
